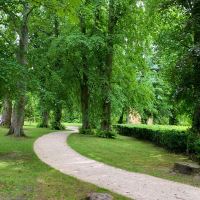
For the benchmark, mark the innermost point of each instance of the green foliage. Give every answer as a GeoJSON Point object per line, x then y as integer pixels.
{"type": "Point", "coordinates": [106, 134]}
{"type": "Point", "coordinates": [41, 125]}
{"type": "Point", "coordinates": [152, 47]}
{"type": "Point", "coordinates": [86, 131]}
{"type": "Point", "coordinates": [98, 133]}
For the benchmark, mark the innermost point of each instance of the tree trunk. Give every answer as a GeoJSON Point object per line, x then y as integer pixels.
{"type": "Point", "coordinates": [57, 117]}
{"type": "Point", "coordinates": [121, 118]}
{"type": "Point", "coordinates": [196, 60]}
{"type": "Point", "coordinates": [173, 118]}
{"type": "Point", "coordinates": [106, 105]}
{"type": "Point", "coordinates": [7, 112]}
{"type": "Point", "coordinates": [85, 104]}
{"type": "Point", "coordinates": [196, 120]}
{"type": "Point", "coordinates": [17, 121]}
{"type": "Point", "coordinates": [144, 120]}
{"type": "Point", "coordinates": [44, 109]}
{"type": "Point", "coordinates": [84, 85]}
{"type": "Point", "coordinates": [45, 119]}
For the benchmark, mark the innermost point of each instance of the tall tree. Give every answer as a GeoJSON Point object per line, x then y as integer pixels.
{"type": "Point", "coordinates": [18, 14]}
{"type": "Point", "coordinates": [84, 83]}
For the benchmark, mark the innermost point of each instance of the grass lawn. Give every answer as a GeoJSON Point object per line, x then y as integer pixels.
{"type": "Point", "coordinates": [23, 176]}
{"type": "Point", "coordinates": [71, 124]}
{"type": "Point", "coordinates": [132, 155]}
{"type": "Point", "coordinates": [159, 127]}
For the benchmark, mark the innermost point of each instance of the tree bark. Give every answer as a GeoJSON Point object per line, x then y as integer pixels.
{"type": "Point", "coordinates": [44, 109]}
{"type": "Point", "coordinates": [196, 120]}
{"type": "Point", "coordinates": [84, 84]}
{"type": "Point", "coordinates": [121, 118]}
{"type": "Point", "coordinates": [173, 118]}
{"type": "Point", "coordinates": [17, 121]}
{"type": "Point", "coordinates": [85, 103]}
{"type": "Point", "coordinates": [144, 120]}
{"type": "Point", "coordinates": [106, 105]}
{"type": "Point", "coordinates": [196, 59]}
{"type": "Point", "coordinates": [45, 119]}
{"type": "Point", "coordinates": [57, 117]}
{"type": "Point", "coordinates": [7, 112]}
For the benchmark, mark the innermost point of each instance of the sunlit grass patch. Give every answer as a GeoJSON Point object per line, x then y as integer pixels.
{"type": "Point", "coordinates": [24, 176]}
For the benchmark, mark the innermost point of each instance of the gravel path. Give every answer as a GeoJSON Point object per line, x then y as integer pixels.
{"type": "Point", "coordinates": [53, 150]}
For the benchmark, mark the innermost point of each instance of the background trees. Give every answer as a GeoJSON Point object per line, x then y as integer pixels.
{"type": "Point", "coordinates": [101, 58]}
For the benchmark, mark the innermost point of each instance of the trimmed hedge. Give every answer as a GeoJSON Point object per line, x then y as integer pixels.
{"type": "Point", "coordinates": [173, 140]}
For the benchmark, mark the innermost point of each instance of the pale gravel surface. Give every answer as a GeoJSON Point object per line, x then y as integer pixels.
{"type": "Point", "coordinates": [53, 150]}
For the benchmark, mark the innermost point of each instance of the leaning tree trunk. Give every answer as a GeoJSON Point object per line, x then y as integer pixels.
{"type": "Point", "coordinates": [7, 112]}
{"type": "Point", "coordinates": [17, 121]}
{"type": "Point", "coordinates": [106, 105]}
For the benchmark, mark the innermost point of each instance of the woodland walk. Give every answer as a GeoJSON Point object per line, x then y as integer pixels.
{"type": "Point", "coordinates": [54, 151]}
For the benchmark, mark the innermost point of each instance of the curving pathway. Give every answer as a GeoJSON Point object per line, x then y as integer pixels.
{"type": "Point", "coordinates": [53, 150]}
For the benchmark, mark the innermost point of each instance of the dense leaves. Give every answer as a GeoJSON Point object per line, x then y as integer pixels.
{"type": "Point", "coordinates": [102, 60]}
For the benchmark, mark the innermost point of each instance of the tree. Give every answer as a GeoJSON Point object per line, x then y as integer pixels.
{"type": "Point", "coordinates": [20, 25]}
{"type": "Point", "coordinates": [184, 54]}
{"type": "Point", "coordinates": [84, 83]}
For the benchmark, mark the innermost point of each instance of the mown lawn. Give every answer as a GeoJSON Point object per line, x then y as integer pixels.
{"type": "Point", "coordinates": [24, 177]}
{"type": "Point", "coordinates": [160, 127]}
{"type": "Point", "coordinates": [132, 155]}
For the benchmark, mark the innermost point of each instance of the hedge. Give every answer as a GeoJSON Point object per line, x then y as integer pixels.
{"type": "Point", "coordinates": [173, 140]}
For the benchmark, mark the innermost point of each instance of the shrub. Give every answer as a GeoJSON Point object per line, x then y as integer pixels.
{"type": "Point", "coordinates": [106, 134]}
{"type": "Point", "coordinates": [57, 126]}
{"type": "Point", "coordinates": [86, 131]}
{"type": "Point", "coordinates": [41, 125]}
{"type": "Point", "coordinates": [98, 133]}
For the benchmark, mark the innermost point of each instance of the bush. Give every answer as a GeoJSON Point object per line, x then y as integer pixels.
{"type": "Point", "coordinates": [57, 126]}
{"type": "Point", "coordinates": [173, 140]}
{"type": "Point", "coordinates": [41, 125]}
{"type": "Point", "coordinates": [106, 134]}
{"type": "Point", "coordinates": [86, 131]}
{"type": "Point", "coordinates": [98, 133]}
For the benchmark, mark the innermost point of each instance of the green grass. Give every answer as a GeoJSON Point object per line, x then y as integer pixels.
{"type": "Point", "coordinates": [132, 155]}
{"type": "Point", "coordinates": [71, 124]}
{"type": "Point", "coordinates": [159, 127]}
{"type": "Point", "coordinates": [24, 176]}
